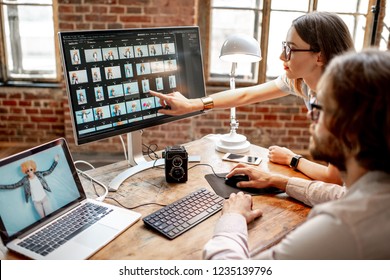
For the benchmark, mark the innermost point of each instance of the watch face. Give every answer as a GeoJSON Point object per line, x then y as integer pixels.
{"type": "Point", "coordinates": [294, 161]}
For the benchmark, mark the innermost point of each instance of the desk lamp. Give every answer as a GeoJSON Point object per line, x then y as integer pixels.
{"type": "Point", "coordinates": [237, 48]}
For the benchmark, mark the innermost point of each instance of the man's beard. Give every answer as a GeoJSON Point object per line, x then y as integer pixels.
{"type": "Point", "coordinates": [327, 149]}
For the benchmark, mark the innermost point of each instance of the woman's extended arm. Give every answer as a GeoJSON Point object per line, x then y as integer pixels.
{"type": "Point", "coordinates": [14, 186]}
{"type": "Point", "coordinates": [179, 104]}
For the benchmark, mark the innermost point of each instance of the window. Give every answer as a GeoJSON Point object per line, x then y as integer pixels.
{"type": "Point", "coordinates": [268, 22]}
{"type": "Point", "coordinates": [27, 46]}
{"type": "Point", "coordinates": [228, 17]}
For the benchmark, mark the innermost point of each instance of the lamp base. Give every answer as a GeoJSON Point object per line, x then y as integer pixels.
{"type": "Point", "coordinates": [232, 143]}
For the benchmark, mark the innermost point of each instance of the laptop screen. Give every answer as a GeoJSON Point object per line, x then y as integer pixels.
{"type": "Point", "coordinates": [35, 185]}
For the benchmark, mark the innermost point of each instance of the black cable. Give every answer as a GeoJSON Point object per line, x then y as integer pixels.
{"type": "Point", "coordinates": [209, 166]}
{"type": "Point", "coordinates": [134, 207]}
{"type": "Point", "coordinates": [149, 151]}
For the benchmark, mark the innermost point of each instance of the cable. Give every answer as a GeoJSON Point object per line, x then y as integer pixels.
{"type": "Point", "coordinates": [134, 207]}
{"type": "Point", "coordinates": [150, 150]}
{"type": "Point", "coordinates": [205, 164]}
{"type": "Point", "coordinates": [101, 197]}
{"type": "Point", "coordinates": [84, 162]}
{"type": "Point", "coordinates": [124, 146]}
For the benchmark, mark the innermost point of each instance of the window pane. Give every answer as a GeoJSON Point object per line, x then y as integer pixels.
{"type": "Point", "coordinates": [29, 35]}
{"type": "Point", "coordinates": [345, 6]}
{"type": "Point", "coordinates": [235, 3]}
{"type": "Point", "coordinates": [280, 23]}
{"type": "Point", "coordinates": [41, 2]}
{"type": "Point", "coordinates": [385, 36]}
{"type": "Point", "coordinates": [224, 23]}
{"type": "Point", "coordinates": [295, 5]}
{"type": "Point", "coordinates": [356, 28]}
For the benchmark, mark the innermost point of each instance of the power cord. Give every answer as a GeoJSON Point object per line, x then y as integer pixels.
{"type": "Point", "coordinates": [205, 164]}
{"type": "Point", "coordinates": [134, 207]}
{"type": "Point", "coordinates": [100, 197]}
{"type": "Point", "coordinates": [124, 147]}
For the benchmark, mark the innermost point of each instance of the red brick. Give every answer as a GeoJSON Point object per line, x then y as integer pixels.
{"type": "Point", "coordinates": [10, 103]}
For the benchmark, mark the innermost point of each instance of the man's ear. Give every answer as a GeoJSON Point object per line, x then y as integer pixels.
{"type": "Point", "coordinates": [321, 61]}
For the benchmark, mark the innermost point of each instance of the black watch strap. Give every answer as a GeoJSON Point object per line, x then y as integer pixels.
{"type": "Point", "coordinates": [294, 161]}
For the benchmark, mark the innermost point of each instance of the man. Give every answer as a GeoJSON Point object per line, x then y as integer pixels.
{"type": "Point", "coordinates": [351, 129]}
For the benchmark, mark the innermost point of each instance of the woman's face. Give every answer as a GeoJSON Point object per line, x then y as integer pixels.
{"type": "Point", "coordinates": [30, 172]}
{"type": "Point", "coordinates": [301, 64]}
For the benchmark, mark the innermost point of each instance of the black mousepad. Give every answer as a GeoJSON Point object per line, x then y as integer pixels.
{"type": "Point", "coordinates": [223, 190]}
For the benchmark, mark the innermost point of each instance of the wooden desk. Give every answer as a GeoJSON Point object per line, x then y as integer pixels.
{"type": "Point", "coordinates": [281, 214]}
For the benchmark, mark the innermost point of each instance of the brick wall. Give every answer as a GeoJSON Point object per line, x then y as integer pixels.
{"type": "Point", "coordinates": [30, 116]}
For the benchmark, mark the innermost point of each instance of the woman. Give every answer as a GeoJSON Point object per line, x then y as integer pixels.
{"type": "Point", "coordinates": [311, 42]}
{"type": "Point", "coordinates": [35, 185]}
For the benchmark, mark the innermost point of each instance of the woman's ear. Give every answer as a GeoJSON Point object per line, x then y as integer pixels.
{"type": "Point", "coordinates": [321, 61]}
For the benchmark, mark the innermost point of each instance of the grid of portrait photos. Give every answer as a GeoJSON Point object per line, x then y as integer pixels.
{"type": "Point", "coordinates": [109, 80]}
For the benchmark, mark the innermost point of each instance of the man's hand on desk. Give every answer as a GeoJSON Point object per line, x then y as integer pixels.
{"type": "Point", "coordinates": [258, 178]}
{"type": "Point", "coordinates": [241, 203]}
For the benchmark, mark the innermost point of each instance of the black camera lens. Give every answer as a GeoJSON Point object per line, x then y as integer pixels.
{"type": "Point", "coordinates": [177, 173]}
{"type": "Point", "coordinates": [177, 161]}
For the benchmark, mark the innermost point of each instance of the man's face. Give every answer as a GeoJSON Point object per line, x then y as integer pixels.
{"type": "Point", "coordinates": [324, 146]}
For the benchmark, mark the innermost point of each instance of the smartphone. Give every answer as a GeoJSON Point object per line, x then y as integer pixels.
{"type": "Point", "coordinates": [242, 158]}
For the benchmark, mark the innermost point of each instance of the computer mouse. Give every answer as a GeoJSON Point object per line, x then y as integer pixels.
{"type": "Point", "coordinates": [232, 181]}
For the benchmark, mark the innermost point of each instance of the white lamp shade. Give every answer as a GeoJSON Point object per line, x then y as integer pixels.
{"type": "Point", "coordinates": [240, 48]}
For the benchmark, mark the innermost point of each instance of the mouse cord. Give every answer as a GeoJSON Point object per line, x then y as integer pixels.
{"type": "Point", "coordinates": [205, 164]}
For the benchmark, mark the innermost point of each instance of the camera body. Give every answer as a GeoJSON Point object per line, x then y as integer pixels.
{"type": "Point", "coordinates": [176, 164]}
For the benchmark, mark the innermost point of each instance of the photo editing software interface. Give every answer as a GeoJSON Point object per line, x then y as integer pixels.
{"type": "Point", "coordinates": [109, 74]}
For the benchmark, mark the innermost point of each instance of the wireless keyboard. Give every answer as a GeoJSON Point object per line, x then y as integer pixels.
{"type": "Point", "coordinates": [183, 214]}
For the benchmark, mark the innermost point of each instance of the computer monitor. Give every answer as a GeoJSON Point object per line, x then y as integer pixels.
{"type": "Point", "coordinates": [109, 73]}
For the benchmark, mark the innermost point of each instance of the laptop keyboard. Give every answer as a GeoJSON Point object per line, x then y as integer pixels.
{"type": "Point", "coordinates": [48, 239]}
{"type": "Point", "coordinates": [181, 215]}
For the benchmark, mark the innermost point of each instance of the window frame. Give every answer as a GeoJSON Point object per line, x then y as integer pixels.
{"type": "Point", "coordinates": [204, 22]}
{"type": "Point", "coordinates": [7, 80]}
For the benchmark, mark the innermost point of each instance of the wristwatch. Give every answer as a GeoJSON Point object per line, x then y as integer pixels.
{"type": "Point", "coordinates": [208, 103]}
{"type": "Point", "coordinates": [294, 161]}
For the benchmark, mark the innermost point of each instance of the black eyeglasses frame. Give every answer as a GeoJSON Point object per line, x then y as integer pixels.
{"type": "Point", "coordinates": [315, 111]}
{"type": "Point", "coordinates": [287, 54]}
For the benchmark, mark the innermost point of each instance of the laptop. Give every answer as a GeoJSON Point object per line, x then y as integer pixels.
{"type": "Point", "coordinates": [40, 190]}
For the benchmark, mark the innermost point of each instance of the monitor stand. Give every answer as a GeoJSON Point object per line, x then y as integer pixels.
{"type": "Point", "coordinates": [137, 160]}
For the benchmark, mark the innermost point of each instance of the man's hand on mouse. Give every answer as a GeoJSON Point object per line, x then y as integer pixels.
{"type": "Point", "coordinates": [258, 178]}
{"type": "Point", "coordinates": [241, 203]}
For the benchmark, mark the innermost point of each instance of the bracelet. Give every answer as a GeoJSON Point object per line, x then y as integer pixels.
{"type": "Point", "coordinates": [208, 103]}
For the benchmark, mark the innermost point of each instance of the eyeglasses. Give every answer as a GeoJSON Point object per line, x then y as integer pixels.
{"type": "Point", "coordinates": [315, 111]}
{"type": "Point", "coordinates": [29, 170]}
{"type": "Point", "coordinates": [287, 50]}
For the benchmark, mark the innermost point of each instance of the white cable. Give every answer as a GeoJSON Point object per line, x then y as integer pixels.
{"type": "Point", "coordinates": [124, 147]}
{"type": "Point", "coordinates": [85, 162]}
{"type": "Point", "coordinates": [102, 197]}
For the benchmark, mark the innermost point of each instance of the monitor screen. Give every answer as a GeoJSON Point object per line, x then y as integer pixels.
{"type": "Point", "coordinates": [109, 74]}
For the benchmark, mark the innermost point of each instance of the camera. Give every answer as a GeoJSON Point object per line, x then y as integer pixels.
{"type": "Point", "coordinates": [176, 164]}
